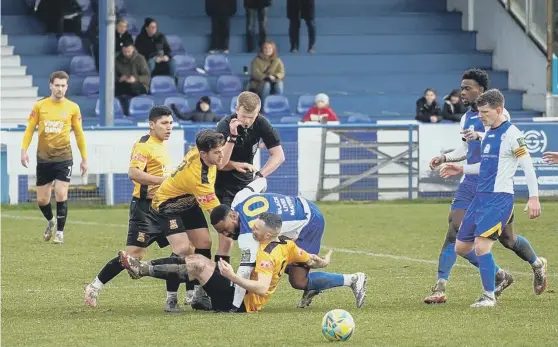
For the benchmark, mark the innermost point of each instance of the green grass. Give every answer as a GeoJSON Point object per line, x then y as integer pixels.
{"type": "Point", "coordinates": [42, 287]}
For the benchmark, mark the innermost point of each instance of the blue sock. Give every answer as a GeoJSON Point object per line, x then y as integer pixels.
{"type": "Point", "coordinates": [523, 249]}
{"type": "Point", "coordinates": [472, 258]}
{"type": "Point", "coordinates": [446, 261]}
{"type": "Point", "coordinates": [487, 268]}
{"type": "Point", "coordinates": [324, 280]}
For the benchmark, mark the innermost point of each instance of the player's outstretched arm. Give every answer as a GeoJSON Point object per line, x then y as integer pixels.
{"type": "Point", "coordinates": [80, 139]}
{"type": "Point", "coordinates": [317, 262]}
{"type": "Point", "coordinates": [524, 159]}
{"type": "Point", "coordinates": [276, 158]}
{"type": "Point", "coordinates": [259, 286]}
{"type": "Point", "coordinates": [144, 178]}
{"type": "Point", "coordinates": [28, 134]}
{"type": "Point", "coordinates": [550, 157]}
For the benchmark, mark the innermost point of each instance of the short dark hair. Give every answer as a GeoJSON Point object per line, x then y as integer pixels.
{"type": "Point", "coordinates": [492, 98]}
{"type": "Point", "coordinates": [271, 220]}
{"type": "Point", "coordinates": [219, 213]}
{"type": "Point", "coordinates": [479, 76]}
{"type": "Point", "coordinates": [206, 140]}
{"type": "Point", "coordinates": [60, 75]}
{"type": "Point", "coordinates": [158, 112]}
{"type": "Point", "coordinates": [429, 90]}
{"type": "Point", "coordinates": [127, 42]}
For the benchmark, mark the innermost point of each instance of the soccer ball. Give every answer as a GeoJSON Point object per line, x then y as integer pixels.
{"type": "Point", "coordinates": [338, 325]}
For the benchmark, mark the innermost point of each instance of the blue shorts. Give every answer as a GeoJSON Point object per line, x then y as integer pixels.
{"type": "Point", "coordinates": [463, 196]}
{"type": "Point", "coordinates": [487, 216]}
{"type": "Point", "coordinates": [310, 237]}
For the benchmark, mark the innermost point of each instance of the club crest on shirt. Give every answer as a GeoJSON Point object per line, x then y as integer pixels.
{"type": "Point", "coordinates": [64, 115]}
{"type": "Point", "coordinates": [264, 264]}
{"type": "Point", "coordinates": [172, 224]}
{"type": "Point", "coordinates": [141, 237]}
{"type": "Point", "coordinates": [521, 142]}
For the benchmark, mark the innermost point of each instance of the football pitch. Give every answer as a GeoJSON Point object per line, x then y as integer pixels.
{"type": "Point", "coordinates": [396, 244]}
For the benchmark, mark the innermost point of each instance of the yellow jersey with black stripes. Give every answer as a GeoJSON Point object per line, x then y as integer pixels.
{"type": "Point", "coordinates": [55, 121]}
{"type": "Point", "coordinates": [191, 183]}
{"type": "Point", "coordinates": [151, 156]}
{"type": "Point", "coordinates": [272, 259]}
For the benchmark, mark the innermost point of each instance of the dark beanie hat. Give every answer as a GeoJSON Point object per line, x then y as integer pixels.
{"type": "Point", "coordinates": [147, 21]}
{"type": "Point", "coordinates": [205, 100]}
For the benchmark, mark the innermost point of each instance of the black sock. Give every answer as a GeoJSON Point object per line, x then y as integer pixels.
{"type": "Point", "coordinates": [173, 281]}
{"type": "Point", "coordinates": [111, 270]}
{"type": "Point", "coordinates": [173, 259]}
{"type": "Point", "coordinates": [226, 258]}
{"type": "Point", "coordinates": [47, 211]}
{"type": "Point", "coordinates": [206, 252]}
{"type": "Point", "coordinates": [61, 214]}
{"type": "Point", "coordinates": [170, 272]}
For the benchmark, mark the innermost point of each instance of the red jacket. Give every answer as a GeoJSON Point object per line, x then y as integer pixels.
{"type": "Point", "coordinates": [314, 114]}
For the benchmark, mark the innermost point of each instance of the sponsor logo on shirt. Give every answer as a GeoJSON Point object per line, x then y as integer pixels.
{"type": "Point", "coordinates": [204, 199]}
{"type": "Point", "coordinates": [265, 264]}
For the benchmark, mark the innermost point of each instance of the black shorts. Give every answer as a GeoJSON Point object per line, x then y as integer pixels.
{"type": "Point", "coordinates": [55, 170]}
{"type": "Point", "coordinates": [169, 224]}
{"type": "Point", "coordinates": [138, 226]}
{"type": "Point", "coordinates": [226, 193]}
{"type": "Point", "coordinates": [221, 291]}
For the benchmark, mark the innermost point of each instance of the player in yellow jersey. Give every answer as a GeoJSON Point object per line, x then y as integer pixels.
{"type": "Point", "coordinates": [274, 254]}
{"type": "Point", "coordinates": [55, 117]}
{"type": "Point", "coordinates": [149, 166]}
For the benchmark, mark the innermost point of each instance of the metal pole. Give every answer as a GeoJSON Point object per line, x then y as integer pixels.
{"type": "Point", "coordinates": [549, 55]}
{"type": "Point", "coordinates": [107, 20]}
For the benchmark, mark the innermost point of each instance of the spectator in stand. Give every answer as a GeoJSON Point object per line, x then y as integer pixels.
{"type": "Point", "coordinates": [153, 45]}
{"type": "Point", "coordinates": [320, 112]}
{"type": "Point", "coordinates": [297, 10]}
{"type": "Point", "coordinates": [220, 12]}
{"type": "Point", "coordinates": [428, 110]}
{"type": "Point", "coordinates": [256, 10]}
{"type": "Point", "coordinates": [202, 113]}
{"type": "Point", "coordinates": [453, 108]}
{"type": "Point", "coordinates": [92, 33]}
{"type": "Point", "coordinates": [60, 16]}
{"type": "Point", "coordinates": [267, 72]}
{"type": "Point", "coordinates": [131, 73]}
{"type": "Point", "coordinates": [122, 34]}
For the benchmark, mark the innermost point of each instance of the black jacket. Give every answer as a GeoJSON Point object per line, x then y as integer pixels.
{"type": "Point", "coordinates": [196, 116]}
{"type": "Point", "coordinates": [452, 112]}
{"type": "Point", "coordinates": [119, 39]}
{"type": "Point", "coordinates": [150, 47]}
{"type": "Point", "coordinates": [220, 8]}
{"type": "Point", "coordinates": [424, 111]}
{"type": "Point", "coordinates": [257, 4]}
{"type": "Point", "coordinates": [305, 9]}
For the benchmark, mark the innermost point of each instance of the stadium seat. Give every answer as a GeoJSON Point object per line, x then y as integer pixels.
{"type": "Point", "coordinates": [304, 103]}
{"type": "Point", "coordinates": [90, 86]}
{"type": "Point", "coordinates": [196, 85]}
{"type": "Point", "coordinates": [122, 122]}
{"type": "Point", "coordinates": [118, 112]}
{"type": "Point", "coordinates": [70, 45]}
{"type": "Point", "coordinates": [217, 105]}
{"type": "Point", "coordinates": [133, 27]}
{"type": "Point", "coordinates": [162, 85]}
{"type": "Point", "coordinates": [175, 43]}
{"type": "Point", "coordinates": [180, 102]}
{"type": "Point", "coordinates": [359, 119]}
{"type": "Point", "coordinates": [228, 85]}
{"type": "Point", "coordinates": [85, 5]}
{"type": "Point", "coordinates": [140, 107]}
{"type": "Point", "coordinates": [234, 101]}
{"type": "Point", "coordinates": [83, 65]}
{"type": "Point", "coordinates": [276, 105]}
{"type": "Point", "coordinates": [290, 120]}
{"type": "Point", "coordinates": [217, 64]}
{"type": "Point", "coordinates": [185, 64]}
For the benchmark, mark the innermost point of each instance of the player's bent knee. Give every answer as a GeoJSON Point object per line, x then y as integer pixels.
{"type": "Point", "coordinates": [297, 282]}
{"type": "Point", "coordinates": [196, 264]}
{"type": "Point", "coordinates": [463, 248]}
{"type": "Point", "coordinates": [61, 191]}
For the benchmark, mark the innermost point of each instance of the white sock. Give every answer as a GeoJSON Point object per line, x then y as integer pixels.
{"type": "Point", "coordinates": [537, 263]}
{"type": "Point", "coordinates": [172, 295]}
{"type": "Point", "coordinates": [442, 281]}
{"type": "Point", "coordinates": [97, 284]}
{"type": "Point", "coordinates": [490, 294]}
{"type": "Point", "coordinates": [348, 280]}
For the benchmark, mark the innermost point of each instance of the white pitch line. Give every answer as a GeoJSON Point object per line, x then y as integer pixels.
{"type": "Point", "coordinates": [341, 250]}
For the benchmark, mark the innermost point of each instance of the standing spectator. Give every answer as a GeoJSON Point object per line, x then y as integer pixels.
{"type": "Point", "coordinates": [297, 10]}
{"type": "Point", "coordinates": [267, 72]}
{"type": "Point", "coordinates": [220, 12]}
{"type": "Point", "coordinates": [202, 113]}
{"type": "Point", "coordinates": [92, 34]}
{"type": "Point", "coordinates": [60, 16]}
{"type": "Point", "coordinates": [453, 108]}
{"type": "Point", "coordinates": [153, 45]}
{"type": "Point", "coordinates": [122, 34]}
{"type": "Point", "coordinates": [256, 10]}
{"type": "Point", "coordinates": [320, 112]}
{"type": "Point", "coordinates": [131, 73]}
{"type": "Point", "coordinates": [428, 110]}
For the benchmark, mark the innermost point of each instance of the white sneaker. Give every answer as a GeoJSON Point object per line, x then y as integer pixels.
{"type": "Point", "coordinates": [90, 295]}
{"type": "Point", "coordinates": [484, 300]}
{"type": "Point", "coordinates": [359, 288]}
{"type": "Point", "coordinates": [49, 230]}
{"type": "Point", "coordinates": [59, 237]}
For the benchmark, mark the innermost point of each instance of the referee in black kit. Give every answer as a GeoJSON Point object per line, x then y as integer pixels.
{"type": "Point", "coordinates": [239, 172]}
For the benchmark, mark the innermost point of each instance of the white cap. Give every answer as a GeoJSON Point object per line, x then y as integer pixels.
{"type": "Point", "coordinates": [322, 97]}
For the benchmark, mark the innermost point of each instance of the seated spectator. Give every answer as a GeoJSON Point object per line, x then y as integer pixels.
{"type": "Point", "coordinates": [267, 72]}
{"type": "Point", "coordinates": [122, 34]}
{"type": "Point", "coordinates": [320, 112]}
{"type": "Point", "coordinates": [453, 108]}
{"type": "Point", "coordinates": [428, 110]}
{"type": "Point", "coordinates": [153, 45]}
{"type": "Point", "coordinates": [202, 113]}
{"type": "Point", "coordinates": [131, 73]}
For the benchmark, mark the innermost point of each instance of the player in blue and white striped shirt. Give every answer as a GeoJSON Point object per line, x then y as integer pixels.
{"type": "Point", "coordinates": [503, 149]}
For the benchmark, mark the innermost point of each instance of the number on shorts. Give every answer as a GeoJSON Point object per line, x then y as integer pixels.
{"type": "Point", "coordinates": [69, 172]}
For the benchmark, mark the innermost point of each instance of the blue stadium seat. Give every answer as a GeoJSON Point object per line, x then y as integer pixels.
{"type": "Point", "coordinates": [217, 64]}
{"type": "Point", "coordinates": [140, 107]}
{"type": "Point", "coordinates": [83, 65]}
{"type": "Point", "coordinates": [234, 101]}
{"type": "Point", "coordinates": [290, 120]}
{"type": "Point", "coordinates": [162, 85]}
{"type": "Point", "coordinates": [276, 105]}
{"type": "Point", "coordinates": [70, 45]}
{"type": "Point", "coordinates": [175, 43]}
{"type": "Point", "coordinates": [359, 119]}
{"type": "Point", "coordinates": [118, 112]}
{"type": "Point", "coordinates": [90, 86]}
{"type": "Point", "coordinates": [179, 101]}
{"type": "Point", "coordinates": [85, 5]}
{"type": "Point", "coordinates": [185, 64]}
{"type": "Point", "coordinates": [304, 103]}
{"type": "Point", "coordinates": [123, 122]}
{"type": "Point", "coordinates": [217, 105]}
{"type": "Point", "coordinates": [228, 85]}
{"type": "Point", "coordinates": [133, 27]}
{"type": "Point", "coordinates": [196, 85]}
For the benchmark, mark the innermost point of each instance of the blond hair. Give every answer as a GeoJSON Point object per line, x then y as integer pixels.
{"type": "Point", "coordinates": [249, 101]}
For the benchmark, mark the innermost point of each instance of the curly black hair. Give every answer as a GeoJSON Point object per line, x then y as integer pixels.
{"type": "Point", "coordinates": [479, 76]}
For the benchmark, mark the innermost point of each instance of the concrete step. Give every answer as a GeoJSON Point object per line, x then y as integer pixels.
{"type": "Point", "coordinates": [25, 103]}
{"type": "Point", "coordinates": [14, 115]}
{"type": "Point", "coordinates": [3, 40]}
{"type": "Point", "coordinates": [10, 61]}
{"type": "Point", "coordinates": [13, 71]}
{"type": "Point", "coordinates": [6, 50]}
{"type": "Point", "coordinates": [9, 91]}
{"type": "Point", "coordinates": [17, 81]}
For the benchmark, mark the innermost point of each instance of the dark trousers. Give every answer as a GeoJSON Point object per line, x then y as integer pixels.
{"type": "Point", "coordinates": [294, 33]}
{"type": "Point", "coordinates": [220, 32]}
{"type": "Point", "coordinates": [124, 91]}
{"type": "Point", "coordinates": [254, 16]}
